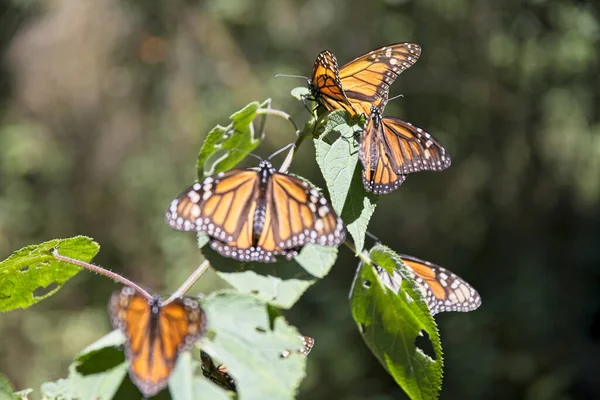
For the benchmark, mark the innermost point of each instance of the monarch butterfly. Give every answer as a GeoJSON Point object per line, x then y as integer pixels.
{"type": "Point", "coordinates": [363, 82]}
{"type": "Point", "coordinates": [391, 148]}
{"type": "Point", "coordinates": [255, 215]}
{"type": "Point", "coordinates": [219, 374]}
{"type": "Point", "coordinates": [155, 334]}
{"type": "Point", "coordinates": [441, 289]}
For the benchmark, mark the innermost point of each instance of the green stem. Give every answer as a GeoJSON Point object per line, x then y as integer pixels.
{"type": "Point", "coordinates": [363, 256]}
{"type": "Point", "coordinates": [197, 274]}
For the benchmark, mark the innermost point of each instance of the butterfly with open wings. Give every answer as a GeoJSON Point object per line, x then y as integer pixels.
{"type": "Point", "coordinates": [257, 214]}
{"type": "Point", "coordinates": [155, 334]}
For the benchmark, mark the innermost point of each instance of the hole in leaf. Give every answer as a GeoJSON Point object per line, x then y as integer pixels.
{"type": "Point", "coordinates": [261, 330]}
{"type": "Point", "coordinates": [424, 344]}
{"type": "Point", "coordinates": [42, 291]}
{"type": "Point", "coordinates": [24, 269]}
{"type": "Point", "coordinates": [367, 284]}
{"type": "Point", "coordinates": [362, 328]}
{"type": "Point", "coordinates": [254, 292]}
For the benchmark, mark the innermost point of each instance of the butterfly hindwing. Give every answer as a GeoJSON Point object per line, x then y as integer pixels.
{"type": "Point", "coordinates": [155, 335]}
{"type": "Point", "coordinates": [441, 289]}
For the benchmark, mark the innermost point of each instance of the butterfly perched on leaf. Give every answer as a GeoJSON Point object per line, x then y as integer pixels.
{"type": "Point", "coordinates": [389, 147]}
{"type": "Point", "coordinates": [441, 289]}
{"type": "Point", "coordinates": [155, 334]}
{"type": "Point", "coordinates": [219, 374]}
{"type": "Point", "coordinates": [257, 214]}
{"type": "Point", "coordinates": [363, 82]}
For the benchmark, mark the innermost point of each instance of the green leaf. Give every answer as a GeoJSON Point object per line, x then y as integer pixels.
{"type": "Point", "coordinates": [217, 153]}
{"type": "Point", "coordinates": [301, 93]}
{"type": "Point", "coordinates": [280, 283]}
{"type": "Point", "coordinates": [391, 322]}
{"type": "Point", "coordinates": [22, 394]}
{"type": "Point", "coordinates": [103, 385]}
{"type": "Point", "coordinates": [242, 337]}
{"type": "Point", "coordinates": [33, 269]}
{"type": "Point", "coordinates": [278, 292]}
{"type": "Point", "coordinates": [358, 210]}
{"type": "Point", "coordinates": [61, 389]}
{"type": "Point", "coordinates": [342, 172]}
{"type": "Point", "coordinates": [6, 389]}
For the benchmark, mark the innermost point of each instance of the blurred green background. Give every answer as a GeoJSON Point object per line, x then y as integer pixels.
{"type": "Point", "coordinates": [104, 105]}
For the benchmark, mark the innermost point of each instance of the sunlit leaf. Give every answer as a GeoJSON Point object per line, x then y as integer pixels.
{"type": "Point", "coordinates": [6, 389]}
{"type": "Point", "coordinates": [281, 283]}
{"type": "Point", "coordinates": [225, 146]}
{"type": "Point", "coordinates": [31, 274]}
{"type": "Point", "coordinates": [301, 93]}
{"type": "Point", "coordinates": [391, 322]}
{"type": "Point", "coordinates": [242, 336]}
{"type": "Point", "coordinates": [340, 167]}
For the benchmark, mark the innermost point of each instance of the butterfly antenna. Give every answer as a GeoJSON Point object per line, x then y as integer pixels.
{"type": "Point", "coordinates": [281, 150]}
{"type": "Point", "coordinates": [259, 158]}
{"type": "Point", "coordinates": [375, 238]}
{"type": "Point", "coordinates": [291, 76]}
{"type": "Point", "coordinates": [395, 97]}
{"type": "Point", "coordinates": [102, 271]}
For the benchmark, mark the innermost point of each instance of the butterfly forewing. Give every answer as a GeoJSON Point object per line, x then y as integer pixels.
{"type": "Point", "coordinates": [366, 80]}
{"type": "Point", "coordinates": [325, 84]}
{"type": "Point", "coordinates": [155, 335]}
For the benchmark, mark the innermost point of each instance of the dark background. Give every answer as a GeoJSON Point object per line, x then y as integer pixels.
{"type": "Point", "coordinates": [104, 105]}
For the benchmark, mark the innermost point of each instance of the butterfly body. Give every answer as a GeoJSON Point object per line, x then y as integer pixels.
{"type": "Point", "coordinates": [155, 334]}
{"type": "Point", "coordinates": [256, 215]}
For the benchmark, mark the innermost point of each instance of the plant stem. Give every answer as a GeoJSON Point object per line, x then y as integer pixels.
{"type": "Point", "coordinates": [279, 113]}
{"type": "Point", "coordinates": [197, 274]}
{"type": "Point", "coordinates": [102, 271]}
{"type": "Point", "coordinates": [362, 256]}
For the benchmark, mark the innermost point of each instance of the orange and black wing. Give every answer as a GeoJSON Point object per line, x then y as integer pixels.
{"type": "Point", "coordinates": [155, 335]}
{"type": "Point", "coordinates": [391, 148]}
{"type": "Point", "coordinates": [441, 289]}
{"type": "Point", "coordinates": [366, 80]}
{"type": "Point", "coordinates": [379, 172]}
{"type": "Point", "coordinates": [325, 85]}
{"type": "Point", "coordinates": [216, 373]}
{"type": "Point", "coordinates": [223, 206]}
{"type": "Point", "coordinates": [297, 214]}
